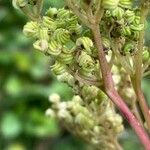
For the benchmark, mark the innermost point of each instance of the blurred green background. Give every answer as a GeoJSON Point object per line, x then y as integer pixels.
{"type": "Point", "coordinates": [25, 83]}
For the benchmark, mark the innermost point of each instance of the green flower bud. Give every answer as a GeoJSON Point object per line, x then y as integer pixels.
{"type": "Point", "coordinates": [90, 92]}
{"type": "Point", "coordinates": [76, 108]}
{"type": "Point", "coordinates": [77, 99]}
{"type": "Point", "coordinates": [125, 3]}
{"type": "Point", "coordinates": [86, 43]}
{"type": "Point", "coordinates": [31, 29]}
{"type": "Point", "coordinates": [110, 4]}
{"type": "Point", "coordinates": [65, 115]}
{"type": "Point", "coordinates": [58, 68]}
{"type": "Point", "coordinates": [54, 48]}
{"type": "Point", "coordinates": [101, 96]}
{"type": "Point", "coordinates": [54, 98]}
{"type": "Point", "coordinates": [50, 113]}
{"type": "Point", "coordinates": [82, 120]}
{"type": "Point", "coordinates": [62, 35]}
{"type": "Point", "coordinates": [41, 45]}
{"type": "Point", "coordinates": [97, 129]}
{"type": "Point", "coordinates": [118, 12]}
{"type": "Point", "coordinates": [52, 12]}
{"type": "Point", "coordinates": [119, 129]}
{"type": "Point", "coordinates": [49, 23]}
{"type": "Point", "coordinates": [146, 54]}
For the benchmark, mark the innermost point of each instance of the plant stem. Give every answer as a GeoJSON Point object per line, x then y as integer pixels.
{"type": "Point", "coordinates": [39, 5]}
{"type": "Point", "coordinates": [107, 77]}
{"type": "Point", "coordinates": [113, 94]}
{"type": "Point", "coordinates": [136, 80]}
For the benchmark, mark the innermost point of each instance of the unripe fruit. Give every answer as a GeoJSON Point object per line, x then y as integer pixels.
{"type": "Point", "coordinates": [110, 4]}
{"type": "Point", "coordinates": [125, 3]}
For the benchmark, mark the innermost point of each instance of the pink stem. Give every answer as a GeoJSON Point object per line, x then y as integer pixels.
{"type": "Point", "coordinates": [113, 94]}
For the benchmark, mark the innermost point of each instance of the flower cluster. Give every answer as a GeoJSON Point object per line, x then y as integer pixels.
{"type": "Point", "coordinates": [92, 117]}
{"type": "Point", "coordinates": [70, 45]}
{"type": "Point", "coordinates": [59, 35]}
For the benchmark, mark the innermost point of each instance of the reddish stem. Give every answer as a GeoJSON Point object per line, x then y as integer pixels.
{"type": "Point", "coordinates": [113, 94]}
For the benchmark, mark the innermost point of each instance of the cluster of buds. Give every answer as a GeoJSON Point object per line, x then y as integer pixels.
{"type": "Point", "coordinates": [124, 21]}
{"type": "Point", "coordinates": [59, 35]}
{"type": "Point", "coordinates": [92, 119]}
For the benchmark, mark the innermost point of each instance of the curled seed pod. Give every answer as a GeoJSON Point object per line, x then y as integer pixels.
{"type": "Point", "coordinates": [19, 3]}
{"type": "Point", "coordinates": [86, 63]}
{"type": "Point", "coordinates": [129, 16]}
{"type": "Point", "coordinates": [49, 23]}
{"type": "Point", "coordinates": [126, 31]}
{"type": "Point", "coordinates": [110, 4]}
{"type": "Point", "coordinates": [66, 77]}
{"type": "Point", "coordinates": [118, 12]}
{"type": "Point", "coordinates": [85, 60]}
{"type": "Point", "coordinates": [137, 27]}
{"type": "Point", "coordinates": [31, 29]}
{"type": "Point", "coordinates": [106, 43]}
{"type": "Point", "coordinates": [128, 48]}
{"type": "Point", "coordinates": [43, 34]}
{"type": "Point", "coordinates": [52, 12]}
{"type": "Point", "coordinates": [62, 35]}
{"type": "Point", "coordinates": [72, 20]}
{"type": "Point", "coordinates": [125, 3]}
{"type": "Point", "coordinates": [146, 54]}
{"type": "Point", "coordinates": [135, 35]}
{"type": "Point", "coordinates": [58, 68]}
{"type": "Point", "coordinates": [86, 43]}
{"type": "Point", "coordinates": [69, 47]}
{"type": "Point", "coordinates": [137, 20]}
{"type": "Point", "coordinates": [75, 29]}
{"type": "Point", "coordinates": [64, 13]}
{"type": "Point", "coordinates": [78, 29]}
{"type": "Point", "coordinates": [41, 45]}
{"type": "Point", "coordinates": [66, 58]}
{"type": "Point", "coordinates": [54, 48]}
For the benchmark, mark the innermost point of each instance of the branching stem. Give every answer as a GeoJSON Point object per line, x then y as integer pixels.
{"type": "Point", "coordinates": [136, 79]}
